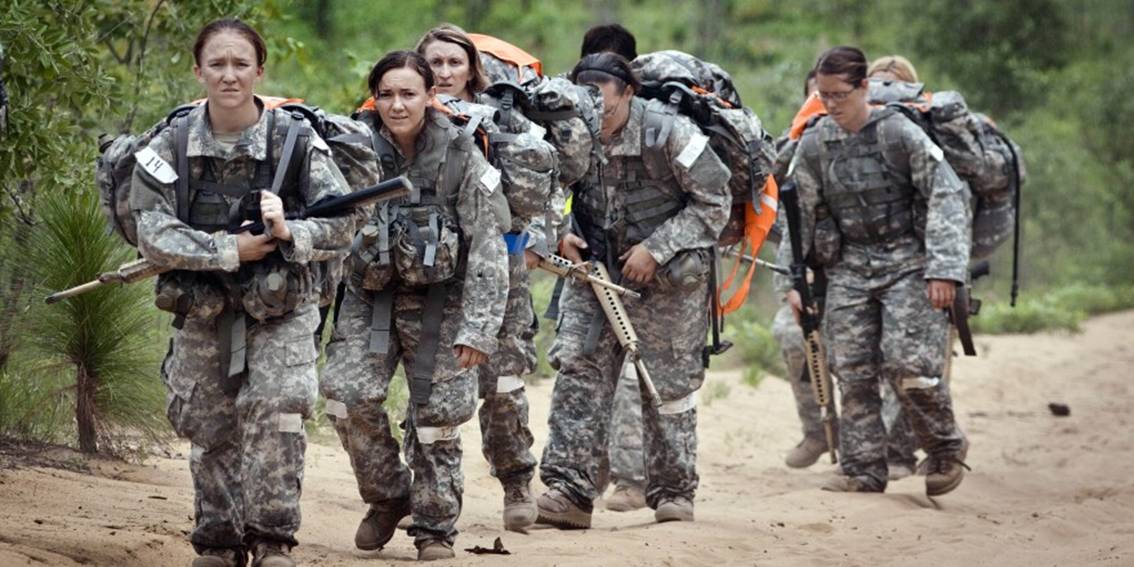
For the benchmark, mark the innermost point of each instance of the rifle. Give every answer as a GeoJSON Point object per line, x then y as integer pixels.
{"type": "Point", "coordinates": [564, 268]}
{"type": "Point", "coordinates": [762, 263]}
{"type": "Point", "coordinates": [623, 330]}
{"type": "Point", "coordinates": [809, 318]}
{"type": "Point", "coordinates": [142, 269]}
{"type": "Point", "coordinates": [965, 306]}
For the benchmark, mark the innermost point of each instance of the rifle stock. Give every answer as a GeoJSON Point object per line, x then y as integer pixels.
{"type": "Point", "coordinates": [142, 269]}
{"type": "Point", "coordinates": [620, 322]}
{"type": "Point", "coordinates": [809, 319]}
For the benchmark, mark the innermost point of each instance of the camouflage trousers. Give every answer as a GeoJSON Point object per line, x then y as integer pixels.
{"type": "Point", "coordinates": [506, 439]}
{"type": "Point", "coordinates": [622, 459]}
{"type": "Point", "coordinates": [671, 328]}
{"type": "Point", "coordinates": [901, 443]}
{"type": "Point", "coordinates": [356, 382]}
{"type": "Point", "coordinates": [884, 328]}
{"type": "Point", "coordinates": [247, 448]}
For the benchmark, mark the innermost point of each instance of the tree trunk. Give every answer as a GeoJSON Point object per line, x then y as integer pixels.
{"type": "Point", "coordinates": [323, 19]}
{"type": "Point", "coordinates": [85, 385]}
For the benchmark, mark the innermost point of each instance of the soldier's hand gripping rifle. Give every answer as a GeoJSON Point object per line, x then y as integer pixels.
{"type": "Point", "coordinates": [564, 268]}
{"type": "Point", "coordinates": [809, 319]}
{"type": "Point", "coordinates": [142, 269]}
{"type": "Point", "coordinates": [623, 331]}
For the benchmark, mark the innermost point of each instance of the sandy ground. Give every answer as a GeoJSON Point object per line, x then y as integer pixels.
{"type": "Point", "coordinates": [1043, 491]}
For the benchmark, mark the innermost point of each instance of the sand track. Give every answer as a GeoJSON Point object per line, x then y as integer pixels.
{"type": "Point", "coordinates": [1044, 490]}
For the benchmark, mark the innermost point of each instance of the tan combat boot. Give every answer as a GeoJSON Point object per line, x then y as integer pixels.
{"type": "Point", "coordinates": [557, 510]}
{"type": "Point", "coordinates": [944, 474]}
{"type": "Point", "coordinates": [519, 507]}
{"type": "Point", "coordinates": [806, 453]}
{"type": "Point", "coordinates": [674, 510]}
{"type": "Point", "coordinates": [378, 526]}
{"type": "Point", "coordinates": [846, 483]}
{"type": "Point", "coordinates": [626, 497]}
{"type": "Point", "coordinates": [219, 558]}
{"type": "Point", "coordinates": [433, 550]}
{"type": "Point", "coordinates": [271, 554]}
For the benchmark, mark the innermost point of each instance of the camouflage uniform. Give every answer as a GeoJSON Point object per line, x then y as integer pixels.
{"type": "Point", "coordinates": [885, 213]}
{"type": "Point", "coordinates": [357, 377]}
{"type": "Point", "coordinates": [528, 165]}
{"type": "Point", "coordinates": [247, 439]}
{"type": "Point", "coordinates": [680, 214]}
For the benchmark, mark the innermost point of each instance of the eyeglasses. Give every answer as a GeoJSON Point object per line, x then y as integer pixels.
{"type": "Point", "coordinates": [836, 96]}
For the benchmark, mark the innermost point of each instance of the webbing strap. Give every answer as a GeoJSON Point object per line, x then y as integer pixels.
{"type": "Point", "coordinates": [380, 318]}
{"type": "Point", "coordinates": [421, 383]}
{"type": "Point", "coordinates": [181, 139]}
{"type": "Point", "coordinates": [551, 115]}
{"type": "Point", "coordinates": [285, 159]}
{"type": "Point", "coordinates": [233, 327]}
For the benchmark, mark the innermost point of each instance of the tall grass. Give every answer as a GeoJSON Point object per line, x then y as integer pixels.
{"type": "Point", "coordinates": [103, 347]}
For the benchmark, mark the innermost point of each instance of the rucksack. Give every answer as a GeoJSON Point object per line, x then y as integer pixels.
{"type": "Point", "coordinates": [706, 94]}
{"type": "Point", "coordinates": [572, 116]}
{"type": "Point", "coordinates": [504, 62]}
{"type": "Point", "coordinates": [115, 166]}
{"type": "Point", "coordinates": [976, 149]}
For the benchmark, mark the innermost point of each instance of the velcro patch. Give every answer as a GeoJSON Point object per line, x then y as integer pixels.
{"type": "Point", "coordinates": [490, 179]}
{"type": "Point", "coordinates": [692, 151]}
{"type": "Point", "coordinates": [158, 168]}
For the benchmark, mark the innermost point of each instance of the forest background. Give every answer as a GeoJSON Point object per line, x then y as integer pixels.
{"type": "Point", "coordinates": [1057, 76]}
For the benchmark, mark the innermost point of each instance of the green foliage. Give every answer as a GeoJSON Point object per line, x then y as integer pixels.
{"type": "Point", "coordinates": [106, 334]}
{"type": "Point", "coordinates": [713, 391]}
{"type": "Point", "coordinates": [1060, 309]}
{"type": "Point", "coordinates": [31, 408]}
{"type": "Point", "coordinates": [759, 351]}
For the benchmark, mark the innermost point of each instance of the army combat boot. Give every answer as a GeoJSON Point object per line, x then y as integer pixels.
{"type": "Point", "coordinates": [944, 473]}
{"type": "Point", "coordinates": [626, 497]}
{"type": "Point", "coordinates": [846, 483]}
{"type": "Point", "coordinates": [378, 526]}
{"type": "Point", "coordinates": [519, 507]}
{"type": "Point", "coordinates": [271, 554]}
{"type": "Point", "coordinates": [806, 453]}
{"type": "Point", "coordinates": [676, 509]}
{"type": "Point", "coordinates": [557, 510]}
{"type": "Point", "coordinates": [433, 550]}
{"type": "Point", "coordinates": [220, 558]}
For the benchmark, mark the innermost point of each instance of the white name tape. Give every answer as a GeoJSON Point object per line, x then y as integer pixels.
{"type": "Point", "coordinates": [679, 406]}
{"type": "Point", "coordinates": [431, 435]}
{"type": "Point", "coordinates": [336, 408]}
{"type": "Point", "coordinates": [158, 168]}
{"type": "Point", "coordinates": [937, 153]}
{"type": "Point", "coordinates": [290, 423]}
{"type": "Point", "coordinates": [692, 151]}
{"type": "Point", "coordinates": [490, 178]}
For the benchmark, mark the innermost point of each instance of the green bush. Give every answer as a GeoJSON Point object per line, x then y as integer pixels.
{"type": "Point", "coordinates": [757, 348]}
{"type": "Point", "coordinates": [1060, 309]}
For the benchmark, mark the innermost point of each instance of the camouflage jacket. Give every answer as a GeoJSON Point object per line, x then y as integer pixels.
{"type": "Point", "coordinates": [914, 160]}
{"type": "Point", "coordinates": [697, 181]}
{"type": "Point", "coordinates": [167, 241]}
{"type": "Point", "coordinates": [481, 212]}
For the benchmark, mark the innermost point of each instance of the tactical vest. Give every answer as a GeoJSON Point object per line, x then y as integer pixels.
{"type": "Point", "coordinates": [416, 241]}
{"type": "Point", "coordinates": [871, 201]}
{"type": "Point", "coordinates": [647, 191]}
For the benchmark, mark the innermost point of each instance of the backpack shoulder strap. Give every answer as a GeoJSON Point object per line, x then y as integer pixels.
{"type": "Point", "coordinates": [657, 123]}
{"type": "Point", "coordinates": [291, 156]}
{"type": "Point", "coordinates": [181, 154]}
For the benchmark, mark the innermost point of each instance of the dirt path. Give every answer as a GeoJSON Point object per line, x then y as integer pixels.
{"type": "Point", "coordinates": [1044, 490]}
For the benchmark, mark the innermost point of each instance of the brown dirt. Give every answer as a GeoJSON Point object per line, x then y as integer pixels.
{"type": "Point", "coordinates": [1044, 490]}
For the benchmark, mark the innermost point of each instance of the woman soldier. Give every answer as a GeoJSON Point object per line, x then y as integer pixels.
{"type": "Point", "coordinates": [241, 367]}
{"type": "Point", "coordinates": [889, 219]}
{"type": "Point", "coordinates": [506, 438]}
{"type": "Point", "coordinates": [427, 288]}
{"type": "Point", "coordinates": [653, 209]}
